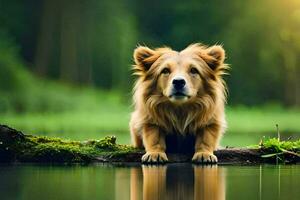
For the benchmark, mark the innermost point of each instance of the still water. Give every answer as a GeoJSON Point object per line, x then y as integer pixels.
{"type": "Point", "coordinates": [173, 181]}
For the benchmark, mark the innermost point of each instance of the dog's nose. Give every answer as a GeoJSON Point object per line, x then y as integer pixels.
{"type": "Point", "coordinates": [178, 83]}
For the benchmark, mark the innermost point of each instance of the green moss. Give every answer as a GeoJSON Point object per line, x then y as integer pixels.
{"type": "Point", "coordinates": [44, 149]}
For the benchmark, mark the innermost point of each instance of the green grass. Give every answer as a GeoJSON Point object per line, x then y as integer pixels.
{"type": "Point", "coordinates": [248, 125]}
{"type": "Point", "coordinates": [74, 125]}
{"type": "Point", "coordinates": [245, 125]}
{"type": "Point", "coordinates": [263, 119]}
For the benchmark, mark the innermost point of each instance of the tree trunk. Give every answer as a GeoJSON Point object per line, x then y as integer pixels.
{"type": "Point", "coordinates": [45, 37]}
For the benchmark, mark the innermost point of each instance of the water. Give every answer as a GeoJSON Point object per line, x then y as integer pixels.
{"type": "Point", "coordinates": [173, 181]}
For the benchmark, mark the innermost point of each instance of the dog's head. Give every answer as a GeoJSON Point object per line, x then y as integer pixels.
{"type": "Point", "coordinates": [180, 77]}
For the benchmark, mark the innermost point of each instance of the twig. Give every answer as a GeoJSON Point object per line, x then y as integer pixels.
{"type": "Point", "coordinates": [278, 134]}
{"type": "Point", "coordinates": [291, 152]}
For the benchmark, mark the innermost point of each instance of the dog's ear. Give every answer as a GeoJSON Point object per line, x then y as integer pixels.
{"type": "Point", "coordinates": [144, 57]}
{"type": "Point", "coordinates": [214, 56]}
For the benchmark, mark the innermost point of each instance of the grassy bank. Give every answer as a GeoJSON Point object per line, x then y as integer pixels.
{"type": "Point", "coordinates": [16, 146]}
{"type": "Point", "coordinates": [245, 125]}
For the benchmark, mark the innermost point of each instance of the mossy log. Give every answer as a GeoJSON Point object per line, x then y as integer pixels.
{"type": "Point", "coordinates": [16, 146]}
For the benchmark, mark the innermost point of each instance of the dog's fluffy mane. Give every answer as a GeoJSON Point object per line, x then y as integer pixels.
{"type": "Point", "coordinates": [156, 109]}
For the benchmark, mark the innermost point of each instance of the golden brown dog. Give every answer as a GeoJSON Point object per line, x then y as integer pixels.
{"type": "Point", "coordinates": [179, 93]}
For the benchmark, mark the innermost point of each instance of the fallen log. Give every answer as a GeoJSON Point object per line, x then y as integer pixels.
{"type": "Point", "coordinates": [16, 146]}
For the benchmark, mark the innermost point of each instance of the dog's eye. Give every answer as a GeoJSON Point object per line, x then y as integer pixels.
{"type": "Point", "coordinates": [194, 71]}
{"type": "Point", "coordinates": [165, 71]}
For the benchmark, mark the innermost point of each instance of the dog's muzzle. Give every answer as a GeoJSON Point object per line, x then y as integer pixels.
{"type": "Point", "coordinates": [178, 89]}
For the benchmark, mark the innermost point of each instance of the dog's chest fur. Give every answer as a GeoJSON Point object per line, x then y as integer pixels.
{"type": "Point", "coordinates": [183, 120]}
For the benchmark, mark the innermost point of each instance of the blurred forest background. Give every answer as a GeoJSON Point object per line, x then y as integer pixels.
{"type": "Point", "coordinates": [65, 64]}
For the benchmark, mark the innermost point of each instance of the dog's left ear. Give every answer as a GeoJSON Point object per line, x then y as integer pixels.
{"type": "Point", "coordinates": [214, 56]}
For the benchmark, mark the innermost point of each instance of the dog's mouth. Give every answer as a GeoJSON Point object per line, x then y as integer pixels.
{"type": "Point", "coordinates": [179, 96]}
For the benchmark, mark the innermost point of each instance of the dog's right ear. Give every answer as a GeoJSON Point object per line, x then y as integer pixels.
{"type": "Point", "coordinates": [144, 57]}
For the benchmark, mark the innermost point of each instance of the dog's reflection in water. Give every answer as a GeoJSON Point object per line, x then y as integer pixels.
{"type": "Point", "coordinates": [173, 182]}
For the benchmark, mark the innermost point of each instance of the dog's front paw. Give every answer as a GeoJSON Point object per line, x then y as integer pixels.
{"type": "Point", "coordinates": [204, 157]}
{"type": "Point", "coordinates": [155, 157]}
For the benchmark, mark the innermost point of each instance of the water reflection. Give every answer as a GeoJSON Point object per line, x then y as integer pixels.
{"type": "Point", "coordinates": [171, 182]}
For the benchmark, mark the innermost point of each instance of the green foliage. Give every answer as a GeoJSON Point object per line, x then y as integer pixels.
{"type": "Point", "coordinates": [276, 146]}
{"type": "Point", "coordinates": [260, 38]}
{"type": "Point", "coordinates": [273, 147]}
{"type": "Point", "coordinates": [22, 92]}
{"type": "Point", "coordinates": [14, 79]}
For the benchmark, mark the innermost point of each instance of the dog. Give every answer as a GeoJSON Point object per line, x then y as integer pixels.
{"type": "Point", "coordinates": [181, 93]}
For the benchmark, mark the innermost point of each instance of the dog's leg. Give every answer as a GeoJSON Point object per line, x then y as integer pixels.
{"type": "Point", "coordinates": [207, 140]}
{"type": "Point", "coordinates": [136, 138]}
{"type": "Point", "coordinates": [155, 145]}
